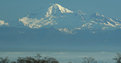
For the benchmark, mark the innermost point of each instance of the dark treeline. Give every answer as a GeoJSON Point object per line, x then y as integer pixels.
{"type": "Point", "coordinates": [35, 59]}
{"type": "Point", "coordinates": [40, 59]}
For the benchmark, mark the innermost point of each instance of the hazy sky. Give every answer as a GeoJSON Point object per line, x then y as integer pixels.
{"type": "Point", "coordinates": [12, 10]}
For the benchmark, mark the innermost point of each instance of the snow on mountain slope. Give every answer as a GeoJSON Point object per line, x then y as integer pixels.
{"type": "Point", "coordinates": [47, 20]}
{"type": "Point", "coordinates": [36, 23]}
{"type": "Point", "coordinates": [57, 6]}
{"type": "Point", "coordinates": [99, 21]}
{"type": "Point", "coordinates": [54, 16]}
{"type": "Point", "coordinates": [65, 20]}
{"type": "Point", "coordinates": [2, 22]}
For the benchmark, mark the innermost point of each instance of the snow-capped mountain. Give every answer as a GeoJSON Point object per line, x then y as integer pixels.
{"type": "Point", "coordinates": [3, 23]}
{"type": "Point", "coordinates": [69, 21]}
{"type": "Point", "coordinates": [54, 9]}
{"type": "Point", "coordinates": [63, 27]}
{"type": "Point", "coordinates": [99, 21]}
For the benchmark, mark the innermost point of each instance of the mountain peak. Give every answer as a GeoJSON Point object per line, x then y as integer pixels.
{"type": "Point", "coordinates": [2, 22]}
{"type": "Point", "coordinates": [59, 7]}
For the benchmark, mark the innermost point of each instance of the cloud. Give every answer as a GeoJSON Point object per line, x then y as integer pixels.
{"type": "Point", "coordinates": [36, 23]}
{"type": "Point", "coordinates": [2, 22]}
{"type": "Point", "coordinates": [65, 30]}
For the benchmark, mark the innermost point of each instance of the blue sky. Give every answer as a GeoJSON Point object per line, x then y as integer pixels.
{"type": "Point", "coordinates": [12, 10]}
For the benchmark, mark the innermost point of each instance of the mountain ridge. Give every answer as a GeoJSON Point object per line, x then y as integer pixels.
{"type": "Point", "coordinates": [69, 21]}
